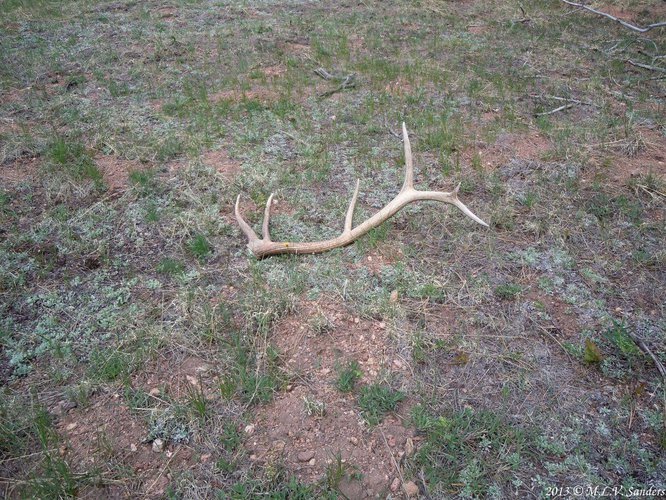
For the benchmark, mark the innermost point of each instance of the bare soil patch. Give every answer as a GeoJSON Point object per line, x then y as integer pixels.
{"type": "Point", "coordinates": [20, 170]}
{"type": "Point", "coordinates": [108, 435]}
{"type": "Point", "coordinates": [116, 171]}
{"type": "Point", "coordinates": [310, 444]}
{"type": "Point", "coordinates": [219, 159]}
{"type": "Point", "coordinates": [263, 95]}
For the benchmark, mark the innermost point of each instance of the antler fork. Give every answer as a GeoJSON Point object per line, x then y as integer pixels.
{"type": "Point", "coordinates": [264, 247]}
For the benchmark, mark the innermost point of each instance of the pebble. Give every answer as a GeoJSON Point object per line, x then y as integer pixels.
{"type": "Point", "coordinates": [411, 489]}
{"type": "Point", "coordinates": [249, 429]}
{"type": "Point", "coordinates": [312, 461]}
{"type": "Point", "coordinates": [154, 392]}
{"type": "Point", "coordinates": [306, 456]}
{"type": "Point", "coordinates": [353, 440]}
{"type": "Point", "coordinates": [158, 446]}
{"type": "Point", "coordinates": [394, 296]}
{"type": "Point", "coordinates": [133, 447]}
{"type": "Point", "coordinates": [72, 426]}
{"type": "Point", "coordinates": [205, 458]}
{"type": "Point", "coordinates": [391, 440]}
{"type": "Point", "coordinates": [395, 485]}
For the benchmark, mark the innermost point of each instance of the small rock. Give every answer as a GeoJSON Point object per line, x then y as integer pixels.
{"type": "Point", "coordinates": [312, 461]}
{"type": "Point", "coordinates": [133, 447]}
{"type": "Point", "coordinates": [409, 447]}
{"type": "Point", "coordinates": [205, 458]}
{"type": "Point", "coordinates": [279, 445]}
{"type": "Point", "coordinates": [192, 380]}
{"type": "Point", "coordinates": [353, 440]}
{"type": "Point", "coordinates": [249, 429]}
{"type": "Point", "coordinates": [253, 457]}
{"type": "Point", "coordinates": [382, 325]}
{"type": "Point", "coordinates": [158, 446]}
{"type": "Point", "coordinates": [72, 426]}
{"type": "Point", "coordinates": [154, 392]}
{"type": "Point", "coordinates": [397, 363]}
{"type": "Point", "coordinates": [391, 440]}
{"type": "Point", "coordinates": [411, 489]}
{"type": "Point", "coordinates": [356, 320]}
{"type": "Point", "coordinates": [395, 485]}
{"type": "Point", "coordinates": [306, 456]}
{"type": "Point", "coordinates": [394, 296]}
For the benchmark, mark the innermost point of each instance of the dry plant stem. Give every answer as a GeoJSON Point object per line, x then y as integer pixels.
{"type": "Point", "coordinates": [617, 20]}
{"type": "Point", "coordinates": [265, 247]}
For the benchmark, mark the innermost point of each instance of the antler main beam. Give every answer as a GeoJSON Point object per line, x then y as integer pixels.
{"type": "Point", "coordinates": [264, 247]}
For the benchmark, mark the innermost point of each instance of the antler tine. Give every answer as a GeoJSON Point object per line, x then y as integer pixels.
{"type": "Point", "coordinates": [245, 227]}
{"type": "Point", "coordinates": [463, 208]}
{"type": "Point", "coordinates": [350, 210]}
{"type": "Point", "coordinates": [409, 163]}
{"type": "Point", "coordinates": [267, 215]}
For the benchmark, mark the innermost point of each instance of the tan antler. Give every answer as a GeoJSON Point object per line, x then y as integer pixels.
{"type": "Point", "coordinates": [264, 247]}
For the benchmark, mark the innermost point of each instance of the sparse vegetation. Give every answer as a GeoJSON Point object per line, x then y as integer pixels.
{"type": "Point", "coordinates": [377, 400]}
{"type": "Point", "coordinates": [145, 353]}
{"type": "Point", "coordinates": [348, 375]}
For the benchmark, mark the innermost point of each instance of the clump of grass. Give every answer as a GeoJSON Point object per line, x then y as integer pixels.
{"type": "Point", "coordinates": [170, 266]}
{"type": "Point", "coordinates": [508, 291]}
{"type": "Point", "coordinates": [109, 365]}
{"type": "Point", "coordinates": [377, 400]}
{"type": "Point", "coordinates": [313, 407]}
{"type": "Point", "coordinates": [620, 338]}
{"type": "Point", "coordinates": [477, 446]}
{"type": "Point", "coordinates": [348, 376]}
{"type": "Point", "coordinates": [73, 158]}
{"type": "Point", "coordinates": [320, 324]}
{"type": "Point", "coordinates": [198, 403]}
{"type": "Point", "coordinates": [199, 246]}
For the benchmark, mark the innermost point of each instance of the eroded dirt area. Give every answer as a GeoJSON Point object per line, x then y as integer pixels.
{"type": "Point", "coordinates": [311, 444]}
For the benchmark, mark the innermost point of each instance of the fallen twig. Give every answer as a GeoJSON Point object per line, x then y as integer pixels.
{"type": "Point", "coordinates": [617, 20]}
{"type": "Point", "coordinates": [639, 341]}
{"type": "Point", "coordinates": [553, 111]}
{"type": "Point", "coordinates": [566, 99]}
{"type": "Point", "coordinates": [646, 66]}
{"type": "Point", "coordinates": [347, 82]}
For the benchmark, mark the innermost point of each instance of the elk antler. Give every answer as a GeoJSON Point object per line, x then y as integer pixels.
{"type": "Point", "coordinates": [264, 247]}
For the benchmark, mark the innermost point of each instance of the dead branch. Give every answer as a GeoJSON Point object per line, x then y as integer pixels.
{"type": "Point", "coordinates": [639, 341]}
{"type": "Point", "coordinates": [565, 99]}
{"type": "Point", "coordinates": [633, 27]}
{"type": "Point", "coordinates": [646, 66]}
{"type": "Point", "coordinates": [556, 110]}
